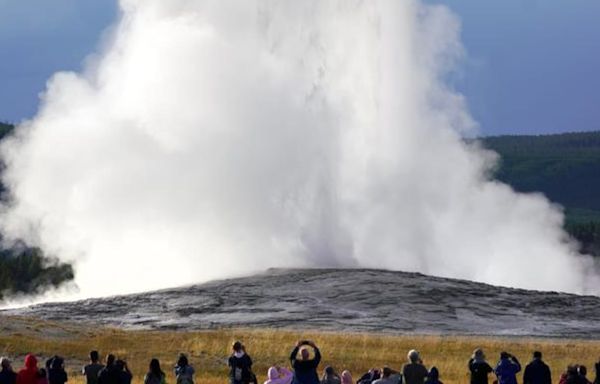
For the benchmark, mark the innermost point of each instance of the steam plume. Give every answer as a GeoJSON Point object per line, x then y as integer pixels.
{"type": "Point", "coordinates": [218, 138]}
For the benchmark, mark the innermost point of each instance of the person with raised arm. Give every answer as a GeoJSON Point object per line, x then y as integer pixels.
{"type": "Point", "coordinates": [507, 369]}
{"type": "Point", "coordinates": [305, 368]}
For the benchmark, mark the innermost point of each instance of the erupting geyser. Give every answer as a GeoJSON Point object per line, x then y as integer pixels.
{"type": "Point", "coordinates": [218, 138]}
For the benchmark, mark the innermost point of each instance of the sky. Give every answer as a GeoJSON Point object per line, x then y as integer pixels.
{"type": "Point", "coordinates": [531, 66]}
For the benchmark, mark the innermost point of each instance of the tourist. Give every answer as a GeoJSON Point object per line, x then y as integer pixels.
{"type": "Point", "coordinates": [240, 365]}
{"type": "Point", "coordinates": [433, 377]}
{"type": "Point", "coordinates": [29, 374]}
{"type": "Point", "coordinates": [537, 372]}
{"type": "Point", "coordinates": [123, 372]}
{"type": "Point", "coordinates": [56, 372]}
{"type": "Point", "coordinates": [279, 375]}
{"type": "Point", "coordinates": [305, 368]}
{"type": "Point", "coordinates": [109, 374]}
{"type": "Point", "coordinates": [155, 375]}
{"type": "Point", "coordinates": [388, 376]}
{"type": "Point", "coordinates": [582, 371]}
{"type": "Point", "coordinates": [346, 377]}
{"type": "Point", "coordinates": [371, 376]}
{"type": "Point", "coordinates": [91, 370]}
{"type": "Point", "coordinates": [507, 369]}
{"type": "Point", "coordinates": [597, 366]}
{"type": "Point", "coordinates": [414, 372]}
{"type": "Point", "coordinates": [184, 372]}
{"type": "Point", "coordinates": [7, 375]}
{"type": "Point", "coordinates": [42, 376]}
{"type": "Point", "coordinates": [570, 376]}
{"type": "Point", "coordinates": [330, 376]}
{"type": "Point", "coordinates": [479, 368]}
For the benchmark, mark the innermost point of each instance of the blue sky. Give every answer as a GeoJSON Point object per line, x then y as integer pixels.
{"type": "Point", "coordinates": [533, 66]}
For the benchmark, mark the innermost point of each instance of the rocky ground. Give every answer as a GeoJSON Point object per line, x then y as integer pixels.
{"type": "Point", "coordinates": [340, 300]}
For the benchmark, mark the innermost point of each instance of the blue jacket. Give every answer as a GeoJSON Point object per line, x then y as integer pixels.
{"type": "Point", "coordinates": [506, 371]}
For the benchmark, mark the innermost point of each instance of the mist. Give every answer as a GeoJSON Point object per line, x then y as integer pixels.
{"type": "Point", "coordinates": [209, 139]}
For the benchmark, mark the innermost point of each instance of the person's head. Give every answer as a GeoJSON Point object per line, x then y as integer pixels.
{"type": "Point", "coordinates": [329, 371]}
{"type": "Point", "coordinates": [57, 362]}
{"type": "Point", "coordinates": [386, 371]}
{"type": "Point", "coordinates": [5, 364]}
{"type": "Point", "coordinates": [413, 356]}
{"type": "Point", "coordinates": [504, 355]}
{"type": "Point", "coordinates": [537, 355]}
{"type": "Point", "coordinates": [433, 374]}
{"type": "Point", "coordinates": [94, 356]}
{"type": "Point", "coordinates": [30, 362]}
{"type": "Point", "coordinates": [110, 359]}
{"type": "Point", "coordinates": [237, 346]}
{"type": "Point", "coordinates": [273, 373]}
{"type": "Point", "coordinates": [572, 370]}
{"type": "Point", "coordinates": [155, 367]}
{"type": "Point", "coordinates": [182, 360]}
{"type": "Point", "coordinates": [478, 354]}
{"type": "Point", "coordinates": [304, 353]}
{"type": "Point", "coordinates": [346, 377]}
{"type": "Point", "coordinates": [582, 370]}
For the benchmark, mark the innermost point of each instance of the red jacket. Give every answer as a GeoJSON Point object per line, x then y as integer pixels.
{"type": "Point", "coordinates": [28, 375]}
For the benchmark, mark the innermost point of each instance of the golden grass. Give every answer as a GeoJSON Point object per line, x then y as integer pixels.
{"type": "Point", "coordinates": [208, 350]}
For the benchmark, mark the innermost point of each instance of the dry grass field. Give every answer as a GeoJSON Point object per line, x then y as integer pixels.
{"type": "Point", "coordinates": [208, 350]}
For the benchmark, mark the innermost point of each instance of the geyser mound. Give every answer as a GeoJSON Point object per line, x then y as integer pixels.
{"type": "Point", "coordinates": [218, 138]}
{"type": "Point", "coordinates": [341, 300]}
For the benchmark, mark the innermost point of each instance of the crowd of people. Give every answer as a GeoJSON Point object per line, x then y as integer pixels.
{"type": "Point", "coordinates": [304, 367]}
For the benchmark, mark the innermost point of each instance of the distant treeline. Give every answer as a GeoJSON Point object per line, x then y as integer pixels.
{"type": "Point", "coordinates": [566, 168]}
{"type": "Point", "coordinates": [26, 269]}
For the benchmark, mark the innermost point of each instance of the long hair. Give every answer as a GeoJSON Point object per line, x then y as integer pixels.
{"type": "Point", "coordinates": [155, 368]}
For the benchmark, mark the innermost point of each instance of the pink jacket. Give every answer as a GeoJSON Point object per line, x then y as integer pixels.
{"type": "Point", "coordinates": [281, 376]}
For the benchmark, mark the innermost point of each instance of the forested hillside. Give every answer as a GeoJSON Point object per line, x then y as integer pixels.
{"type": "Point", "coordinates": [565, 167]}
{"type": "Point", "coordinates": [26, 269]}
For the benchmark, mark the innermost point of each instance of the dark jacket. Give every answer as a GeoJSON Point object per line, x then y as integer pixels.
{"type": "Point", "coordinates": [109, 375]}
{"type": "Point", "coordinates": [243, 367]}
{"type": "Point", "coordinates": [414, 373]}
{"type": "Point", "coordinates": [57, 376]}
{"type": "Point", "coordinates": [479, 371]}
{"type": "Point", "coordinates": [305, 371]}
{"type": "Point", "coordinates": [506, 370]}
{"type": "Point", "coordinates": [91, 372]}
{"type": "Point", "coordinates": [597, 380]}
{"type": "Point", "coordinates": [8, 377]}
{"type": "Point", "coordinates": [537, 372]}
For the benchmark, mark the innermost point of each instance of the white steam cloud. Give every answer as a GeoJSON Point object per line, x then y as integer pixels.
{"type": "Point", "coordinates": [219, 138]}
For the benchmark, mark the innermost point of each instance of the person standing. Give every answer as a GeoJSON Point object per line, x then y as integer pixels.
{"type": "Point", "coordinates": [305, 368]}
{"type": "Point", "coordinates": [56, 372]}
{"type": "Point", "coordinates": [109, 374]}
{"type": "Point", "coordinates": [7, 375]}
{"type": "Point", "coordinates": [91, 370]}
{"type": "Point", "coordinates": [479, 368]}
{"type": "Point", "coordinates": [507, 369]}
{"type": "Point", "coordinates": [414, 372]}
{"type": "Point", "coordinates": [29, 373]}
{"type": "Point", "coordinates": [240, 365]}
{"type": "Point", "coordinates": [597, 366]}
{"type": "Point", "coordinates": [537, 372]}
{"type": "Point", "coordinates": [184, 372]}
{"type": "Point", "coordinates": [155, 375]}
